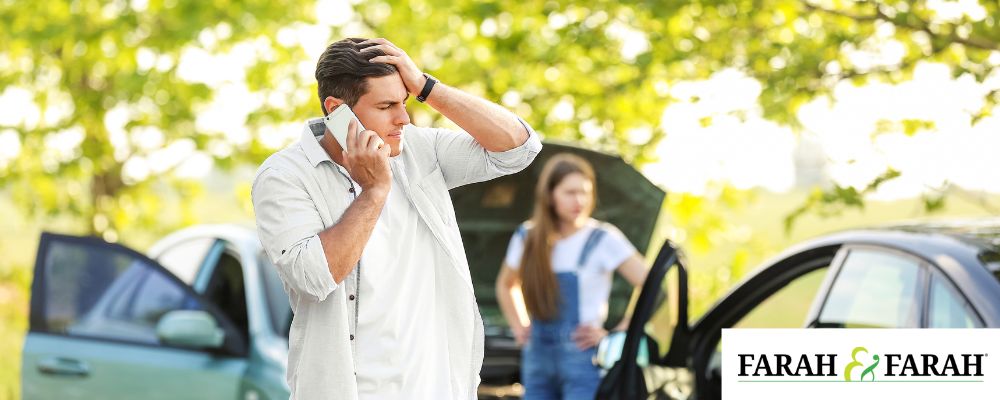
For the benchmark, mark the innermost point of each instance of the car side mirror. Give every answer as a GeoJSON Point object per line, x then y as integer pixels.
{"type": "Point", "coordinates": [609, 350]}
{"type": "Point", "coordinates": [190, 328]}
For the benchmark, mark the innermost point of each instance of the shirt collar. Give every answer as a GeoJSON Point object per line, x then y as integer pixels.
{"type": "Point", "coordinates": [310, 145]}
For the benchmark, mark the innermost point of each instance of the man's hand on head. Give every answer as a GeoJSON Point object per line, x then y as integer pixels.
{"type": "Point", "coordinates": [413, 78]}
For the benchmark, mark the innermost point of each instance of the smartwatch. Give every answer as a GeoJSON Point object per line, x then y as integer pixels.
{"type": "Point", "coordinates": [427, 88]}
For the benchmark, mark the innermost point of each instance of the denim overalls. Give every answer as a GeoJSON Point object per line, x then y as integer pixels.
{"type": "Point", "coordinates": [552, 366]}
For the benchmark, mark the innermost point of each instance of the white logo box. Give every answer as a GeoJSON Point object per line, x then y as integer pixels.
{"type": "Point", "coordinates": [944, 355]}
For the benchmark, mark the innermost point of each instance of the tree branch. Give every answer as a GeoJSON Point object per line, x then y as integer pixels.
{"type": "Point", "coordinates": [921, 26]}
{"type": "Point", "coordinates": [977, 198]}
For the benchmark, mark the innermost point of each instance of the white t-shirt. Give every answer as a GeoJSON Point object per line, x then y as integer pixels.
{"type": "Point", "coordinates": [402, 346]}
{"type": "Point", "coordinates": [594, 277]}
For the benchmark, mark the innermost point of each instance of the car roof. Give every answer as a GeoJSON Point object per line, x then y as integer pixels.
{"type": "Point", "coordinates": [240, 235]}
{"type": "Point", "coordinates": [983, 233]}
{"type": "Point", "coordinates": [958, 238]}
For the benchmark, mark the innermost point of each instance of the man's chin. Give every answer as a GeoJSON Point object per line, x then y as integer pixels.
{"type": "Point", "coordinates": [396, 150]}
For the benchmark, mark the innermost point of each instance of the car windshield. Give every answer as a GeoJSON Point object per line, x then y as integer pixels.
{"type": "Point", "coordinates": [277, 300]}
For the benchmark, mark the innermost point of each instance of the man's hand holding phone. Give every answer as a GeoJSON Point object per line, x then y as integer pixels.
{"type": "Point", "coordinates": [367, 159]}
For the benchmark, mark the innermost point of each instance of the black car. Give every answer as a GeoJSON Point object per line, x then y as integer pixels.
{"type": "Point", "coordinates": [940, 275]}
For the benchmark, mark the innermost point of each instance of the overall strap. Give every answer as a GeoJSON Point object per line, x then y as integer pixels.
{"type": "Point", "coordinates": [588, 247]}
{"type": "Point", "coordinates": [521, 232]}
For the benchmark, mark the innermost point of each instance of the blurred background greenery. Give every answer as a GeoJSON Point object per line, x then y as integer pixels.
{"type": "Point", "coordinates": [767, 121]}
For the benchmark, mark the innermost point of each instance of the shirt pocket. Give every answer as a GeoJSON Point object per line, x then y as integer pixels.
{"type": "Point", "coordinates": [436, 190]}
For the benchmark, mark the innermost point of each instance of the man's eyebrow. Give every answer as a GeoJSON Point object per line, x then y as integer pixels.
{"type": "Point", "coordinates": [392, 102]}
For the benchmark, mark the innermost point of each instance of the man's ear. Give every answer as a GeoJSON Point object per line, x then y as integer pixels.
{"type": "Point", "coordinates": [331, 103]}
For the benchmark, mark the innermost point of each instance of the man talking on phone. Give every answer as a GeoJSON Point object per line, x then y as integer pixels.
{"type": "Point", "coordinates": [365, 238]}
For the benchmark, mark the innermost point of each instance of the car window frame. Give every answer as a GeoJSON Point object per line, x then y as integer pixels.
{"type": "Point", "coordinates": [951, 287]}
{"type": "Point", "coordinates": [924, 268]}
{"type": "Point", "coordinates": [235, 343]}
{"type": "Point", "coordinates": [737, 303]}
{"type": "Point", "coordinates": [208, 268]}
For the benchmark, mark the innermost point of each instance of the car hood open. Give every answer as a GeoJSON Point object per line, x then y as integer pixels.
{"type": "Point", "coordinates": [489, 212]}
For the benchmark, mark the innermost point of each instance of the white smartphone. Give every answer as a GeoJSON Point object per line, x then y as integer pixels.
{"type": "Point", "coordinates": [339, 121]}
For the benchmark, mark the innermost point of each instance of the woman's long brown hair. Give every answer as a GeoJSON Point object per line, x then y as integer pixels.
{"type": "Point", "coordinates": [538, 281]}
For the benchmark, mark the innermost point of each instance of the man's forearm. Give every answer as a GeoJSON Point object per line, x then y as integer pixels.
{"type": "Point", "coordinates": [494, 127]}
{"type": "Point", "coordinates": [344, 242]}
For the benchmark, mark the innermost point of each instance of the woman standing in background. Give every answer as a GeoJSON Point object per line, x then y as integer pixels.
{"type": "Point", "coordinates": [562, 261]}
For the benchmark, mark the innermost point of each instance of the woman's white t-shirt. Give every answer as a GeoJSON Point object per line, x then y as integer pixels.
{"type": "Point", "coordinates": [594, 277]}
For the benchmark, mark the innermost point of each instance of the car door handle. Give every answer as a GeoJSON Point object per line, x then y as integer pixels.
{"type": "Point", "coordinates": [61, 366]}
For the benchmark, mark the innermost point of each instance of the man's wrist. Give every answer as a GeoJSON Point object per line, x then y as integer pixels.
{"type": "Point", "coordinates": [420, 84]}
{"type": "Point", "coordinates": [427, 88]}
{"type": "Point", "coordinates": [380, 192]}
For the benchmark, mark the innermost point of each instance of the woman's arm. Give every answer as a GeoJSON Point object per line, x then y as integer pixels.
{"type": "Point", "coordinates": [507, 281]}
{"type": "Point", "coordinates": [634, 270]}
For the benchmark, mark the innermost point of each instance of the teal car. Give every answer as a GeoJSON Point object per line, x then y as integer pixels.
{"type": "Point", "coordinates": [202, 316]}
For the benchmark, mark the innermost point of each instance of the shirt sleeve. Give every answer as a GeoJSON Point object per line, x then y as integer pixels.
{"type": "Point", "coordinates": [288, 225]}
{"type": "Point", "coordinates": [463, 160]}
{"type": "Point", "coordinates": [514, 250]}
{"type": "Point", "coordinates": [614, 249]}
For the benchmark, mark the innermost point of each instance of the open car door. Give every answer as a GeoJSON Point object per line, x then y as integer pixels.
{"type": "Point", "coordinates": [636, 367]}
{"type": "Point", "coordinates": [106, 322]}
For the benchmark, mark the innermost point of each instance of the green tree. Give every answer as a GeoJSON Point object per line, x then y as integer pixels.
{"type": "Point", "coordinates": [612, 60]}
{"type": "Point", "coordinates": [105, 78]}
{"type": "Point", "coordinates": [596, 72]}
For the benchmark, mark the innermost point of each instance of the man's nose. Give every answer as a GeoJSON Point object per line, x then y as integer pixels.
{"type": "Point", "coordinates": [403, 118]}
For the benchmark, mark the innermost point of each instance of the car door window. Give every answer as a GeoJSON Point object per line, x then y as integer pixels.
{"type": "Point", "coordinates": [874, 289]}
{"type": "Point", "coordinates": [147, 300]}
{"type": "Point", "coordinates": [106, 292]}
{"type": "Point", "coordinates": [788, 307]}
{"type": "Point", "coordinates": [947, 308]}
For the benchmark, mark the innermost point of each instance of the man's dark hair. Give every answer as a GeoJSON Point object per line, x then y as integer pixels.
{"type": "Point", "coordinates": [343, 71]}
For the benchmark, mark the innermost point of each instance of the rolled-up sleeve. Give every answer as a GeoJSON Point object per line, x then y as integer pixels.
{"type": "Point", "coordinates": [288, 225]}
{"type": "Point", "coordinates": [463, 160]}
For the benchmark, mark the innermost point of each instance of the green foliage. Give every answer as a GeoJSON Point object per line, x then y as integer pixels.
{"type": "Point", "coordinates": [86, 57]}
{"type": "Point", "coordinates": [836, 200]}
{"type": "Point", "coordinates": [550, 52]}
{"type": "Point", "coordinates": [595, 72]}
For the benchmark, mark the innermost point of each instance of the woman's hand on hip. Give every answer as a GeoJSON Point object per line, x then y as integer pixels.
{"type": "Point", "coordinates": [522, 334]}
{"type": "Point", "coordinates": [587, 336]}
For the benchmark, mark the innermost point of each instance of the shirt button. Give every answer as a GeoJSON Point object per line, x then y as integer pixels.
{"type": "Point", "coordinates": [351, 190]}
{"type": "Point", "coordinates": [352, 337]}
{"type": "Point", "coordinates": [351, 297]}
